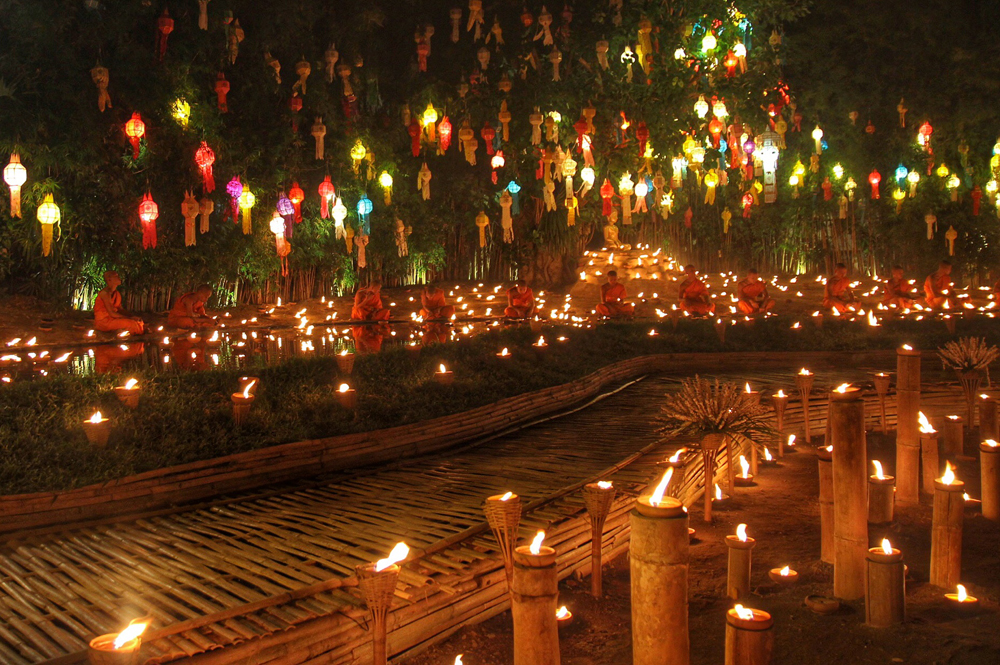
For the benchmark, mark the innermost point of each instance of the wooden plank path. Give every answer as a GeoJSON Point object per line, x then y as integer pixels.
{"type": "Point", "coordinates": [270, 575]}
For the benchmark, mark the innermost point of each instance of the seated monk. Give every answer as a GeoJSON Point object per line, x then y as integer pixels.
{"type": "Point", "coordinates": [108, 313]}
{"type": "Point", "coordinates": [613, 305]}
{"type": "Point", "coordinates": [368, 304]}
{"type": "Point", "coordinates": [433, 305]}
{"type": "Point", "coordinates": [520, 301]}
{"type": "Point", "coordinates": [897, 290]}
{"type": "Point", "coordinates": [938, 287]}
{"type": "Point", "coordinates": [694, 295]}
{"type": "Point", "coordinates": [189, 310]}
{"type": "Point", "coordinates": [752, 293]}
{"type": "Point", "coordinates": [837, 294]}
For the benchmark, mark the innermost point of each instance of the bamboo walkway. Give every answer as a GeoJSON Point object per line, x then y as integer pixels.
{"type": "Point", "coordinates": [218, 579]}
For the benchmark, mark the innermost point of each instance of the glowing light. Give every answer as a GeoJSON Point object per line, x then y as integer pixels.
{"type": "Point", "coordinates": [507, 496]}
{"type": "Point", "coordinates": [132, 632]}
{"type": "Point", "coordinates": [398, 553]}
{"type": "Point", "coordinates": [536, 543]}
{"type": "Point", "coordinates": [925, 425]}
{"type": "Point", "coordinates": [96, 418]}
{"type": "Point", "coordinates": [949, 475]}
{"type": "Point", "coordinates": [744, 613]}
{"type": "Point", "coordinates": [878, 469]}
{"type": "Point", "coordinates": [741, 533]}
{"type": "Point", "coordinates": [886, 546]}
{"type": "Point", "coordinates": [657, 497]}
{"type": "Point", "coordinates": [604, 484]}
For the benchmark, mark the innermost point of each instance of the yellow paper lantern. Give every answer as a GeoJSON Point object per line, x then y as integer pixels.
{"type": "Point", "coordinates": [181, 112]}
{"type": "Point", "coordinates": [386, 181]}
{"type": "Point", "coordinates": [15, 175]}
{"type": "Point", "coordinates": [247, 201]}
{"type": "Point", "coordinates": [48, 216]}
{"type": "Point", "coordinates": [942, 171]}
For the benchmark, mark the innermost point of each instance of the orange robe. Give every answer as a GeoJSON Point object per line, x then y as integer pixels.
{"type": "Point", "coordinates": [436, 307]}
{"type": "Point", "coordinates": [106, 321]}
{"type": "Point", "coordinates": [753, 297]}
{"type": "Point", "coordinates": [897, 293]}
{"type": "Point", "coordinates": [613, 301]}
{"type": "Point", "coordinates": [694, 297]}
{"type": "Point", "coordinates": [838, 295]}
{"type": "Point", "coordinates": [521, 304]}
{"type": "Point", "coordinates": [178, 316]}
{"type": "Point", "coordinates": [368, 307]}
{"type": "Point", "coordinates": [938, 289]}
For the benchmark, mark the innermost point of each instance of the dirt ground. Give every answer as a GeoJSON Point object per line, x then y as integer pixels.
{"type": "Point", "coordinates": [782, 515]}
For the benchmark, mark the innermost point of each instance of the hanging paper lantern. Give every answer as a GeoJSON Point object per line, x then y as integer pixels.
{"type": "Point", "coordinates": [148, 213]}
{"type": "Point", "coordinates": [730, 62]}
{"type": "Point", "coordinates": [295, 105]}
{"type": "Point", "coordinates": [297, 196]}
{"type": "Point", "coordinates": [135, 129]}
{"type": "Point", "coordinates": [221, 90]}
{"type": "Point", "coordinates": [942, 171]}
{"type": "Point", "coordinates": [48, 215]}
{"type": "Point", "coordinates": [326, 194]}
{"type": "Point", "coordinates": [497, 162]}
{"type": "Point", "coordinates": [339, 215]}
{"type": "Point", "coordinates": [515, 190]}
{"type": "Point", "coordinates": [901, 173]}
{"type": "Point", "coordinates": [281, 246]}
{"type": "Point", "coordinates": [715, 128]}
{"type": "Point", "coordinates": [15, 175]}
{"type": "Point", "coordinates": [247, 201]}
{"type": "Point", "coordinates": [234, 189]}
{"type": "Point", "coordinates": [365, 207]}
{"type": "Point", "coordinates": [709, 42]}
{"type": "Point", "coordinates": [414, 132]}
{"type": "Point", "coordinates": [444, 134]}
{"type": "Point", "coordinates": [898, 196]}
{"type": "Point", "coordinates": [642, 136]}
{"type": "Point", "coordinates": [204, 157]}
{"type": "Point", "coordinates": [429, 117]}
{"type": "Point", "coordinates": [701, 107]}
{"type": "Point", "coordinates": [286, 209]}
{"type": "Point", "coordinates": [607, 191]}
{"type": "Point", "coordinates": [488, 134]}
{"type": "Point", "coordinates": [817, 135]}
{"type": "Point", "coordinates": [189, 211]}
{"type": "Point", "coordinates": [358, 154]}
{"type": "Point", "coordinates": [874, 178]}
{"type": "Point", "coordinates": [164, 26]}
{"type": "Point", "coordinates": [924, 136]}
{"type": "Point", "coordinates": [913, 178]}
{"type": "Point", "coordinates": [482, 222]}
{"type": "Point", "coordinates": [747, 204]}
{"type": "Point", "coordinates": [181, 112]}
{"type": "Point", "coordinates": [385, 179]}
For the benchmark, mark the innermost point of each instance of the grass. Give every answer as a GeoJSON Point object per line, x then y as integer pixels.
{"type": "Point", "coordinates": [185, 417]}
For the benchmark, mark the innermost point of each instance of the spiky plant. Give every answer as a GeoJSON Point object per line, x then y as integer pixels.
{"type": "Point", "coordinates": [703, 407]}
{"type": "Point", "coordinates": [967, 354]}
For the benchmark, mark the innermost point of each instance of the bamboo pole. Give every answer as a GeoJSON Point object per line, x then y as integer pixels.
{"type": "Point", "coordinates": [749, 641]}
{"type": "Point", "coordinates": [826, 514]}
{"type": "Point", "coordinates": [881, 499]}
{"type": "Point", "coordinates": [378, 588]}
{"type": "Point", "coordinates": [988, 428]}
{"type": "Point", "coordinates": [952, 443]}
{"type": "Point", "coordinates": [804, 384]}
{"type": "Point", "coordinates": [534, 596]}
{"type": "Point", "coordinates": [929, 462]}
{"type": "Point", "coordinates": [738, 572]}
{"type": "Point", "coordinates": [850, 463]}
{"type": "Point", "coordinates": [882, 381]}
{"type": "Point", "coordinates": [885, 588]}
{"type": "Point", "coordinates": [989, 469]}
{"type": "Point", "coordinates": [907, 435]}
{"type": "Point", "coordinates": [946, 534]}
{"type": "Point", "coordinates": [780, 403]}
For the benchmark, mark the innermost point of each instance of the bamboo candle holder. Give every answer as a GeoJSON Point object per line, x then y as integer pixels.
{"type": "Point", "coordinates": [826, 515]}
{"type": "Point", "coordinates": [101, 651]}
{"type": "Point", "coordinates": [710, 445]}
{"type": "Point", "coordinates": [347, 397]}
{"type": "Point", "coordinates": [128, 396]}
{"type": "Point", "coordinates": [241, 406]}
{"type": "Point", "coordinates": [597, 497]}
{"type": "Point", "coordinates": [952, 444]}
{"type": "Point", "coordinates": [881, 499]}
{"type": "Point", "coordinates": [251, 381]}
{"type": "Point", "coordinates": [749, 641]}
{"type": "Point", "coordinates": [946, 533]}
{"type": "Point", "coordinates": [738, 576]}
{"type": "Point", "coordinates": [989, 468]}
{"type": "Point", "coordinates": [850, 478]}
{"type": "Point", "coordinates": [804, 384]}
{"type": "Point", "coordinates": [988, 428]}
{"type": "Point", "coordinates": [345, 362]}
{"type": "Point", "coordinates": [882, 380]}
{"type": "Point", "coordinates": [907, 432]}
{"type": "Point", "coordinates": [378, 589]}
{"type": "Point", "coordinates": [97, 429]}
{"type": "Point", "coordinates": [780, 403]}
{"type": "Point", "coordinates": [785, 579]}
{"type": "Point", "coordinates": [503, 514]}
{"type": "Point", "coordinates": [445, 378]}
{"type": "Point", "coordinates": [720, 330]}
{"type": "Point", "coordinates": [658, 563]}
{"type": "Point", "coordinates": [885, 588]}
{"type": "Point", "coordinates": [534, 600]}
{"type": "Point", "coordinates": [930, 462]}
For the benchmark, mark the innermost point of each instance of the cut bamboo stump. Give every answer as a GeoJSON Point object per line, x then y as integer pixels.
{"type": "Point", "coordinates": [907, 432]}
{"type": "Point", "coordinates": [241, 407]}
{"type": "Point", "coordinates": [378, 589]}
{"type": "Point", "coordinates": [598, 501]}
{"type": "Point", "coordinates": [882, 381]}
{"type": "Point", "coordinates": [804, 384]}
{"type": "Point", "coordinates": [988, 428]}
{"type": "Point", "coordinates": [101, 651]}
{"type": "Point", "coordinates": [780, 403]}
{"type": "Point", "coordinates": [503, 514]}
{"type": "Point", "coordinates": [881, 499]}
{"type": "Point", "coordinates": [826, 515]}
{"type": "Point", "coordinates": [946, 534]}
{"type": "Point", "coordinates": [738, 575]}
{"type": "Point", "coordinates": [952, 444]}
{"type": "Point", "coordinates": [658, 563]}
{"type": "Point", "coordinates": [885, 588]}
{"type": "Point", "coordinates": [989, 466]}
{"type": "Point", "coordinates": [534, 599]}
{"type": "Point", "coordinates": [850, 478]}
{"type": "Point", "coordinates": [930, 462]}
{"type": "Point", "coordinates": [749, 641]}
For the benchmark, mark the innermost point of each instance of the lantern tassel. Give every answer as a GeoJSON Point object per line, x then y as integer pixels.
{"type": "Point", "coordinates": [15, 203]}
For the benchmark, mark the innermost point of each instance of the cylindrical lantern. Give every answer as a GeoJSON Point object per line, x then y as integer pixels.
{"type": "Point", "coordinates": [749, 636]}
{"type": "Point", "coordinates": [946, 530]}
{"type": "Point", "coordinates": [907, 434]}
{"type": "Point", "coordinates": [15, 175]}
{"type": "Point", "coordinates": [881, 496]}
{"type": "Point", "coordinates": [534, 602]}
{"type": "Point", "coordinates": [740, 555]}
{"type": "Point", "coordinates": [989, 465]}
{"type": "Point", "coordinates": [885, 586]}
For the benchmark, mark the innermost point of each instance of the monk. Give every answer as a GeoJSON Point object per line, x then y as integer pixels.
{"type": "Point", "coordinates": [694, 295]}
{"type": "Point", "coordinates": [189, 310]}
{"type": "Point", "coordinates": [613, 294]}
{"type": "Point", "coordinates": [433, 305]}
{"type": "Point", "coordinates": [837, 294]}
{"type": "Point", "coordinates": [368, 304]}
{"type": "Point", "coordinates": [752, 293]}
{"type": "Point", "coordinates": [938, 287]}
{"type": "Point", "coordinates": [520, 301]}
{"type": "Point", "coordinates": [108, 313]}
{"type": "Point", "coordinates": [897, 290]}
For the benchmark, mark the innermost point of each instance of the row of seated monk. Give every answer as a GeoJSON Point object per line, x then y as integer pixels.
{"type": "Point", "coordinates": [433, 306]}
{"type": "Point", "coordinates": [188, 312]}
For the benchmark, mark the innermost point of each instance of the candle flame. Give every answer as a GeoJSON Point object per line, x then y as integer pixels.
{"type": "Point", "coordinates": [604, 484]}
{"type": "Point", "coordinates": [344, 353]}
{"type": "Point", "coordinates": [563, 613]}
{"type": "Point", "coordinates": [829, 448]}
{"type": "Point", "coordinates": [96, 418]}
{"type": "Point", "coordinates": [343, 388]}
{"type": "Point", "coordinates": [991, 443]}
{"type": "Point", "coordinates": [842, 388]}
{"type": "Point", "coordinates": [718, 492]}
{"type": "Point", "coordinates": [791, 441]}
{"type": "Point", "coordinates": [949, 474]}
{"type": "Point", "coordinates": [907, 347]}
{"type": "Point", "coordinates": [767, 455]}
{"type": "Point", "coordinates": [133, 631]}
{"type": "Point", "coordinates": [131, 384]}
{"type": "Point", "coordinates": [673, 459]}
{"type": "Point", "coordinates": [781, 393]}
{"type": "Point", "coordinates": [246, 391]}
{"type": "Point", "coordinates": [398, 553]}
{"type": "Point", "coordinates": [785, 572]}
{"type": "Point", "coordinates": [507, 496]}
{"type": "Point", "coordinates": [886, 546]}
{"type": "Point", "coordinates": [925, 425]}
{"type": "Point", "coordinates": [961, 594]}
{"type": "Point", "coordinates": [872, 321]}
{"type": "Point", "coordinates": [878, 469]}
{"type": "Point", "coordinates": [661, 488]}
{"type": "Point", "coordinates": [541, 341]}
{"type": "Point", "coordinates": [505, 352]}
{"type": "Point", "coordinates": [536, 543]}
{"type": "Point", "coordinates": [442, 369]}
{"type": "Point", "coordinates": [741, 532]}
{"type": "Point", "coordinates": [744, 467]}
{"type": "Point", "coordinates": [744, 613]}
{"type": "Point", "coordinates": [747, 387]}
{"type": "Point", "coordinates": [804, 372]}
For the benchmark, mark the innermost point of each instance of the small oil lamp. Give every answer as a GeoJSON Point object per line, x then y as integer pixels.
{"type": "Point", "coordinates": [120, 649]}
{"type": "Point", "coordinates": [783, 575]}
{"type": "Point", "coordinates": [563, 617]}
{"type": "Point", "coordinates": [504, 354]}
{"type": "Point", "coordinates": [961, 599]}
{"type": "Point", "coordinates": [345, 362]}
{"type": "Point", "coordinates": [129, 393]}
{"type": "Point", "coordinates": [444, 376]}
{"type": "Point", "coordinates": [347, 397]}
{"type": "Point", "coordinates": [98, 429]}
{"type": "Point", "coordinates": [744, 478]}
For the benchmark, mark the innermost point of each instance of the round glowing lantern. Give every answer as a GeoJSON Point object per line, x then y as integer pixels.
{"type": "Point", "coordinates": [326, 194]}
{"type": "Point", "coordinates": [358, 153]}
{"type": "Point", "coordinates": [339, 215]}
{"type": "Point", "coordinates": [15, 175]}
{"type": "Point", "coordinates": [234, 188]}
{"type": "Point", "coordinates": [874, 178]}
{"type": "Point", "coordinates": [135, 129]}
{"type": "Point", "coordinates": [385, 179]}
{"type": "Point", "coordinates": [365, 208]}
{"type": "Point", "coordinates": [924, 134]}
{"type": "Point", "coordinates": [497, 162]}
{"type": "Point", "coordinates": [48, 215]}
{"type": "Point", "coordinates": [701, 107]}
{"type": "Point", "coordinates": [286, 209]}
{"type": "Point", "coordinates": [942, 171]}
{"type": "Point", "coordinates": [709, 42]}
{"type": "Point", "coordinates": [204, 157]}
{"type": "Point", "coordinates": [901, 173]}
{"type": "Point", "coordinates": [148, 214]}
{"type": "Point", "coordinates": [715, 128]}
{"type": "Point", "coordinates": [297, 196]}
{"type": "Point", "coordinates": [247, 201]}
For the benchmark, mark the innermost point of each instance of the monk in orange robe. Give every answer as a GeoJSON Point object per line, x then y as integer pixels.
{"type": "Point", "coordinates": [520, 301]}
{"type": "Point", "coordinates": [838, 294]}
{"type": "Point", "coordinates": [613, 294]}
{"type": "Point", "coordinates": [368, 339]}
{"type": "Point", "coordinates": [108, 313]}
{"type": "Point", "coordinates": [897, 290]}
{"type": "Point", "coordinates": [189, 310]}
{"type": "Point", "coordinates": [433, 305]}
{"type": "Point", "coordinates": [694, 295]}
{"type": "Point", "coordinates": [752, 293]}
{"type": "Point", "coordinates": [938, 287]}
{"type": "Point", "coordinates": [368, 304]}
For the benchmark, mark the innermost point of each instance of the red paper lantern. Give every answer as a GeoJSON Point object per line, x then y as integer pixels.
{"type": "Point", "coordinates": [730, 63]}
{"type": "Point", "coordinates": [607, 191]}
{"type": "Point", "coordinates": [297, 196]}
{"type": "Point", "coordinates": [135, 129]}
{"type": "Point", "coordinates": [221, 90]}
{"type": "Point", "coordinates": [148, 213]}
{"type": "Point", "coordinates": [164, 26]}
{"type": "Point", "coordinates": [414, 131]}
{"type": "Point", "coordinates": [747, 204]}
{"type": "Point", "coordinates": [204, 157]}
{"type": "Point", "coordinates": [444, 134]}
{"type": "Point", "coordinates": [642, 135]}
{"type": "Point", "coordinates": [488, 134]}
{"type": "Point", "coordinates": [326, 194]}
{"type": "Point", "coordinates": [874, 179]}
{"type": "Point", "coordinates": [581, 128]}
{"type": "Point", "coordinates": [715, 128]}
{"type": "Point", "coordinates": [497, 162]}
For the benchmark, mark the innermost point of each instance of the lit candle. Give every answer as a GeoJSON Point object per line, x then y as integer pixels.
{"type": "Point", "coordinates": [946, 529]}
{"type": "Point", "coordinates": [444, 376]}
{"type": "Point", "coordinates": [740, 548]}
{"type": "Point", "coordinates": [347, 397]}
{"type": "Point", "coordinates": [885, 597]}
{"type": "Point", "coordinates": [783, 575]}
{"type": "Point", "coordinates": [744, 478]}
{"type": "Point", "coordinates": [118, 648]}
{"type": "Point", "coordinates": [97, 428]}
{"type": "Point", "coordinates": [749, 638]}
{"type": "Point", "coordinates": [881, 496]}
{"type": "Point", "coordinates": [242, 401]}
{"type": "Point", "coordinates": [961, 599]}
{"type": "Point", "coordinates": [505, 353]}
{"type": "Point", "coordinates": [564, 617]}
{"type": "Point", "coordinates": [377, 581]}
{"type": "Point", "coordinates": [658, 504]}
{"type": "Point", "coordinates": [129, 393]}
{"type": "Point", "coordinates": [345, 361]}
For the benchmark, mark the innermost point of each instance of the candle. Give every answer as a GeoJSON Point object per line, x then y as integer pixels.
{"type": "Point", "coordinates": [564, 617]}
{"type": "Point", "coordinates": [505, 353]}
{"type": "Point", "coordinates": [745, 478]}
{"type": "Point", "coordinates": [749, 638]}
{"type": "Point", "coordinates": [534, 599]}
{"type": "Point", "coordinates": [444, 376]}
{"type": "Point", "coordinates": [740, 549]}
{"type": "Point", "coordinates": [658, 504]}
{"type": "Point", "coordinates": [885, 596]}
{"type": "Point", "coordinates": [769, 459]}
{"type": "Point", "coordinates": [347, 397]}
{"type": "Point", "coordinates": [783, 575]}
{"type": "Point", "coordinates": [121, 648]}
{"type": "Point", "coordinates": [377, 582]}
{"type": "Point", "coordinates": [961, 599]}
{"type": "Point", "coordinates": [242, 401]}
{"type": "Point", "coordinates": [946, 529]}
{"type": "Point", "coordinates": [97, 428]}
{"type": "Point", "coordinates": [129, 393]}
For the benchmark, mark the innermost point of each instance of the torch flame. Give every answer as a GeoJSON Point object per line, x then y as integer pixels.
{"type": "Point", "coordinates": [604, 484]}
{"type": "Point", "coordinates": [507, 496]}
{"type": "Point", "coordinates": [458, 659]}
{"type": "Point", "coordinates": [536, 543]}
{"type": "Point", "coordinates": [741, 533]}
{"type": "Point", "coordinates": [878, 469]}
{"type": "Point", "coordinates": [842, 388]}
{"type": "Point", "coordinates": [991, 443]}
{"type": "Point", "coordinates": [785, 572]}
{"type": "Point", "coordinates": [442, 368]}
{"type": "Point", "coordinates": [131, 384]}
{"type": "Point", "coordinates": [747, 388]}
{"type": "Point", "coordinates": [718, 492]}
{"type": "Point", "coordinates": [744, 613]}
{"type": "Point", "coordinates": [398, 553]}
{"type": "Point", "coordinates": [872, 321]}
{"type": "Point", "coordinates": [562, 613]}
{"type": "Point", "coordinates": [343, 388]}
{"type": "Point", "coordinates": [961, 593]}
{"type": "Point", "coordinates": [673, 459]}
{"type": "Point", "coordinates": [661, 488]}
{"type": "Point", "coordinates": [949, 474]}
{"type": "Point", "coordinates": [925, 425]}
{"type": "Point", "coordinates": [804, 372]}
{"type": "Point", "coordinates": [133, 631]}
{"type": "Point", "coordinates": [767, 455]}
{"type": "Point", "coordinates": [96, 418]}
{"type": "Point", "coordinates": [791, 441]}
{"type": "Point", "coordinates": [246, 391]}
{"type": "Point", "coordinates": [744, 467]}
{"type": "Point", "coordinates": [886, 546]}
{"type": "Point", "coordinates": [781, 393]}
